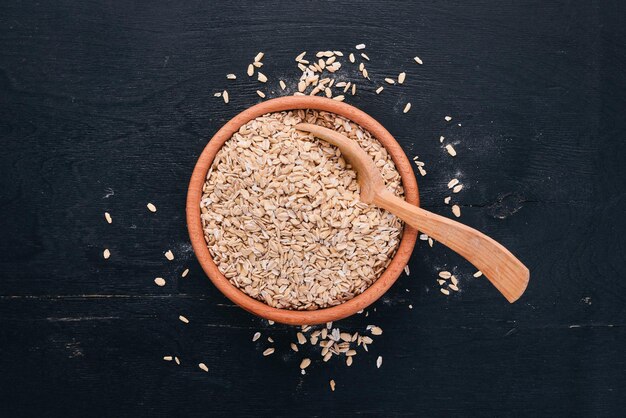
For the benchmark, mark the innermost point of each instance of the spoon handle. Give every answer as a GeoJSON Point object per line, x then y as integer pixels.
{"type": "Point", "coordinates": [502, 268]}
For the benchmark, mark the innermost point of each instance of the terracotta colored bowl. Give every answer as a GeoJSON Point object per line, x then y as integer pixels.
{"type": "Point", "coordinates": [376, 290]}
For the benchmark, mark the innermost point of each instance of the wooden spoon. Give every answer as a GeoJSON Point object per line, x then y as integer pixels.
{"type": "Point", "coordinates": [502, 268]}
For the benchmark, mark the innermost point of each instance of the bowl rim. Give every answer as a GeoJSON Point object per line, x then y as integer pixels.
{"type": "Point", "coordinates": [293, 317]}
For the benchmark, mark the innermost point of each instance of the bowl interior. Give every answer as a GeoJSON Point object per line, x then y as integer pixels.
{"type": "Point", "coordinates": [196, 233]}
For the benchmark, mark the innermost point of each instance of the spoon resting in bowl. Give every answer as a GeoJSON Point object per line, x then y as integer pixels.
{"type": "Point", "coordinates": [502, 268]}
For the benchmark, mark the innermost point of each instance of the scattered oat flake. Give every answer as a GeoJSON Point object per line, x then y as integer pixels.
{"type": "Point", "coordinates": [423, 237]}
{"type": "Point", "coordinates": [430, 242]}
{"type": "Point", "coordinates": [349, 361]}
{"type": "Point", "coordinates": [351, 58]}
{"type": "Point", "coordinates": [256, 336]}
{"type": "Point", "coordinates": [106, 253]}
{"type": "Point", "coordinates": [332, 385]}
{"type": "Point", "coordinates": [225, 96]}
{"type": "Point", "coordinates": [268, 351]}
{"type": "Point", "coordinates": [451, 150]}
{"type": "Point", "coordinates": [185, 273]}
{"type": "Point", "coordinates": [390, 80]}
{"type": "Point", "coordinates": [301, 338]}
{"type": "Point", "coordinates": [218, 94]}
{"type": "Point", "coordinates": [169, 255]}
{"type": "Point", "coordinates": [376, 330]}
{"type": "Point", "coordinates": [410, 306]}
{"type": "Point", "coordinates": [107, 216]}
{"type": "Point", "coordinates": [401, 77]}
{"type": "Point", "coordinates": [453, 287]}
{"type": "Point", "coordinates": [339, 98]}
{"type": "Point", "coordinates": [446, 200]}
{"type": "Point", "coordinates": [261, 77]}
{"type": "Point", "coordinates": [445, 274]}
{"type": "Point", "coordinates": [183, 319]}
{"type": "Point", "coordinates": [159, 281]}
{"type": "Point", "coordinates": [445, 291]}
{"type": "Point", "coordinates": [282, 84]}
{"type": "Point", "coordinates": [177, 360]}
{"type": "Point", "coordinates": [441, 138]}
{"type": "Point", "coordinates": [294, 347]}
{"type": "Point", "coordinates": [151, 207]}
{"type": "Point", "coordinates": [269, 321]}
{"type": "Point", "coordinates": [250, 70]}
{"type": "Point", "coordinates": [457, 188]}
{"type": "Point", "coordinates": [168, 358]}
{"type": "Point", "coordinates": [270, 339]}
{"type": "Point", "coordinates": [478, 274]}
{"type": "Point", "coordinates": [259, 57]}
{"type": "Point", "coordinates": [379, 362]}
{"type": "Point", "coordinates": [454, 280]}
{"type": "Point", "coordinates": [453, 183]}
{"type": "Point", "coordinates": [231, 76]}
{"type": "Point", "coordinates": [448, 118]}
{"type": "Point", "coordinates": [261, 94]}
{"type": "Point", "coordinates": [407, 107]}
{"type": "Point", "coordinates": [305, 363]}
{"type": "Point", "coordinates": [203, 367]}
{"type": "Point", "coordinates": [378, 90]}
{"type": "Point", "coordinates": [456, 210]}
{"type": "Point", "coordinates": [407, 271]}
{"type": "Point", "coordinates": [441, 282]}
{"type": "Point", "coordinates": [360, 46]}
{"type": "Point", "coordinates": [418, 60]}
{"type": "Point", "coordinates": [364, 55]}
{"type": "Point", "coordinates": [299, 57]}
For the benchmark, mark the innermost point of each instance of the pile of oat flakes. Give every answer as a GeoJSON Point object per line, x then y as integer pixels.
{"type": "Point", "coordinates": [320, 75]}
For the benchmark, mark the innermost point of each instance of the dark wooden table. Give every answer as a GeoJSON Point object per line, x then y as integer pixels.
{"type": "Point", "coordinates": [104, 106]}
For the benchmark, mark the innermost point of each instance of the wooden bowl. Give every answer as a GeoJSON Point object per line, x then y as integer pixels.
{"type": "Point", "coordinates": [292, 317]}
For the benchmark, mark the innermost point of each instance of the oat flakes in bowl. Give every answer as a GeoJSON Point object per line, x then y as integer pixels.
{"type": "Point", "coordinates": [282, 218]}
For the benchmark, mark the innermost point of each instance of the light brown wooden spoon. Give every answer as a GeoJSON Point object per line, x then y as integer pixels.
{"type": "Point", "coordinates": [502, 268]}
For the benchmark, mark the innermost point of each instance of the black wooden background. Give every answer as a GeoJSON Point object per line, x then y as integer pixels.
{"type": "Point", "coordinates": [104, 106]}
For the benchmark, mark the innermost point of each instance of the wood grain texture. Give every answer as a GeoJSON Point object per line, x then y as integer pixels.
{"type": "Point", "coordinates": [105, 106]}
